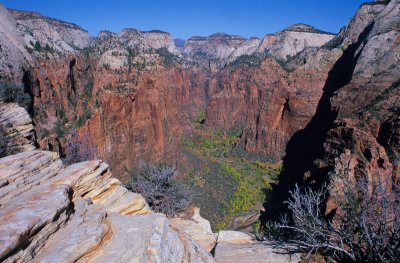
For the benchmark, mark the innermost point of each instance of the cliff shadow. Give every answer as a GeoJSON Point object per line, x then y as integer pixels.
{"type": "Point", "coordinates": [306, 145]}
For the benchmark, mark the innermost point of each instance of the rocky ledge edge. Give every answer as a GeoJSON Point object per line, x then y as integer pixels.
{"type": "Point", "coordinates": [80, 213]}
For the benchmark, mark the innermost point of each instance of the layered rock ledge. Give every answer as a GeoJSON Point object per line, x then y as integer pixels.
{"type": "Point", "coordinates": [79, 213]}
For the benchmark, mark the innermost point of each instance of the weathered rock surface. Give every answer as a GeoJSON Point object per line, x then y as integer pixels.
{"type": "Point", "coordinates": [197, 228]}
{"type": "Point", "coordinates": [59, 35]}
{"type": "Point", "coordinates": [354, 133]}
{"type": "Point", "coordinates": [227, 48]}
{"type": "Point", "coordinates": [16, 129]}
{"type": "Point", "coordinates": [79, 213]}
{"type": "Point", "coordinates": [239, 247]}
{"type": "Point", "coordinates": [234, 237]}
{"type": "Point", "coordinates": [254, 252]}
{"type": "Point", "coordinates": [360, 145]}
{"type": "Point", "coordinates": [12, 49]}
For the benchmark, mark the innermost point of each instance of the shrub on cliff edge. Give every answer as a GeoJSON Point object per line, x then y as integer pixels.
{"type": "Point", "coordinates": [15, 93]}
{"type": "Point", "coordinates": [157, 185]}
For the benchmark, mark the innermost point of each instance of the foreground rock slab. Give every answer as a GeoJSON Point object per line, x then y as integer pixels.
{"type": "Point", "coordinates": [253, 252]}
{"type": "Point", "coordinates": [49, 213]}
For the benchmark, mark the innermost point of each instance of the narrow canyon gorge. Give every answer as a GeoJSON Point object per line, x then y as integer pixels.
{"type": "Point", "coordinates": [243, 120]}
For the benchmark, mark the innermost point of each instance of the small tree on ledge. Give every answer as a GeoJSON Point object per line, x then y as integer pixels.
{"type": "Point", "coordinates": [161, 191]}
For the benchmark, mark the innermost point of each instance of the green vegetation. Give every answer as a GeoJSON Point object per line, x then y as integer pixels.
{"type": "Point", "coordinates": [89, 88]}
{"type": "Point", "coordinates": [248, 60]}
{"type": "Point", "coordinates": [227, 184]}
{"type": "Point", "coordinates": [167, 57]}
{"type": "Point", "coordinates": [132, 53]}
{"type": "Point", "coordinates": [201, 118]}
{"type": "Point", "coordinates": [59, 129]}
{"type": "Point", "coordinates": [216, 143]}
{"type": "Point", "coordinates": [37, 46]}
{"type": "Point", "coordinates": [62, 115]}
{"type": "Point", "coordinates": [15, 93]}
{"type": "Point", "coordinates": [84, 117]}
{"type": "Point", "coordinates": [71, 100]}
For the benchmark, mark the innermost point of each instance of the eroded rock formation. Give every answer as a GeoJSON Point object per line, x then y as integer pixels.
{"type": "Point", "coordinates": [79, 213]}
{"type": "Point", "coordinates": [137, 95]}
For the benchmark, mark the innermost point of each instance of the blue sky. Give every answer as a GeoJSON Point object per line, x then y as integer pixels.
{"type": "Point", "coordinates": [196, 17]}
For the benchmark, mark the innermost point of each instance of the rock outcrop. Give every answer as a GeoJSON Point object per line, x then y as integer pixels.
{"type": "Point", "coordinates": [16, 130]}
{"type": "Point", "coordinates": [221, 48]}
{"type": "Point", "coordinates": [359, 143]}
{"type": "Point", "coordinates": [137, 95]}
{"type": "Point", "coordinates": [141, 81]}
{"type": "Point", "coordinates": [254, 252]}
{"type": "Point", "coordinates": [354, 134]}
{"type": "Point", "coordinates": [79, 213]}
{"type": "Point", "coordinates": [14, 54]}
{"type": "Point", "coordinates": [55, 34]}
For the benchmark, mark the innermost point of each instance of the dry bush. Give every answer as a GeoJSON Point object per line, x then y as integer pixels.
{"type": "Point", "coordinates": [78, 149]}
{"type": "Point", "coordinates": [366, 227]}
{"type": "Point", "coordinates": [163, 193]}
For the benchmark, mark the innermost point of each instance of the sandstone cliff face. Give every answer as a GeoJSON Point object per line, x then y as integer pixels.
{"type": "Point", "coordinates": [270, 102]}
{"type": "Point", "coordinates": [367, 106]}
{"type": "Point", "coordinates": [79, 213]}
{"type": "Point", "coordinates": [348, 138]}
{"type": "Point", "coordinates": [13, 50]}
{"type": "Point", "coordinates": [222, 48]}
{"type": "Point", "coordinates": [59, 35]}
{"type": "Point", "coordinates": [136, 99]}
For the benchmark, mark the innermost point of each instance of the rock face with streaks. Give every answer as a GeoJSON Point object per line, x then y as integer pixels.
{"type": "Point", "coordinates": [16, 129]}
{"type": "Point", "coordinates": [255, 253]}
{"type": "Point", "coordinates": [136, 94]}
{"type": "Point", "coordinates": [355, 132]}
{"type": "Point", "coordinates": [225, 48]}
{"type": "Point", "coordinates": [79, 213]}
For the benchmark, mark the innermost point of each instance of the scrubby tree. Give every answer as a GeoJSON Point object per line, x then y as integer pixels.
{"type": "Point", "coordinates": [161, 191]}
{"type": "Point", "coordinates": [10, 92]}
{"type": "Point", "coordinates": [78, 148]}
{"type": "Point", "coordinates": [366, 227]}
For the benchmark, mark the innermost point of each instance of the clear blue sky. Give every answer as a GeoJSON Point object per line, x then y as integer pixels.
{"type": "Point", "coordinates": [185, 18]}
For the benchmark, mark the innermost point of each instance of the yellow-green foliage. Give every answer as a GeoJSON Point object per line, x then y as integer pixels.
{"type": "Point", "coordinates": [229, 185]}
{"type": "Point", "coordinates": [217, 143]}
{"type": "Point", "coordinates": [249, 191]}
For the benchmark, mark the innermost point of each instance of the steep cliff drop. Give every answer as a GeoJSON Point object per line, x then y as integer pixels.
{"type": "Point", "coordinates": [343, 142]}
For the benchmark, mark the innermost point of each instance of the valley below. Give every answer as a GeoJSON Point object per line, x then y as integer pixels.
{"type": "Point", "coordinates": [241, 120]}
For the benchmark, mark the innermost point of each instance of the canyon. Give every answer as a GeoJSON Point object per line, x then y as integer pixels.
{"type": "Point", "coordinates": [301, 106]}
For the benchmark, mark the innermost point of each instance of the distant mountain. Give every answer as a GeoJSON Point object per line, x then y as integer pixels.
{"type": "Point", "coordinates": [179, 42]}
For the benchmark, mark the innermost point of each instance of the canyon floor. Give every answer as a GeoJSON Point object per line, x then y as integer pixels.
{"type": "Point", "coordinates": [242, 120]}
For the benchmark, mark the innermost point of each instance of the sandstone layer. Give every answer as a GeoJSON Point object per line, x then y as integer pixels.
{"type": "Point", "coordinates": [78, 213]}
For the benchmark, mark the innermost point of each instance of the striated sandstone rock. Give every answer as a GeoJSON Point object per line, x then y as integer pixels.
{"type": "Point", "coordinates": [16, 129]}
{"type": "Point", "coordinates": [49, 213]}
{"type": "Point", "coordinates": [234, 237]}
{"type": "Point", "coordinates": [227, 48]}
{"type": "Point", "coordinates": [198, 228]}
{"type": "Point", "coordinates": [255, 252]}
{"type": "Point", "coordinates": [60, 35]}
